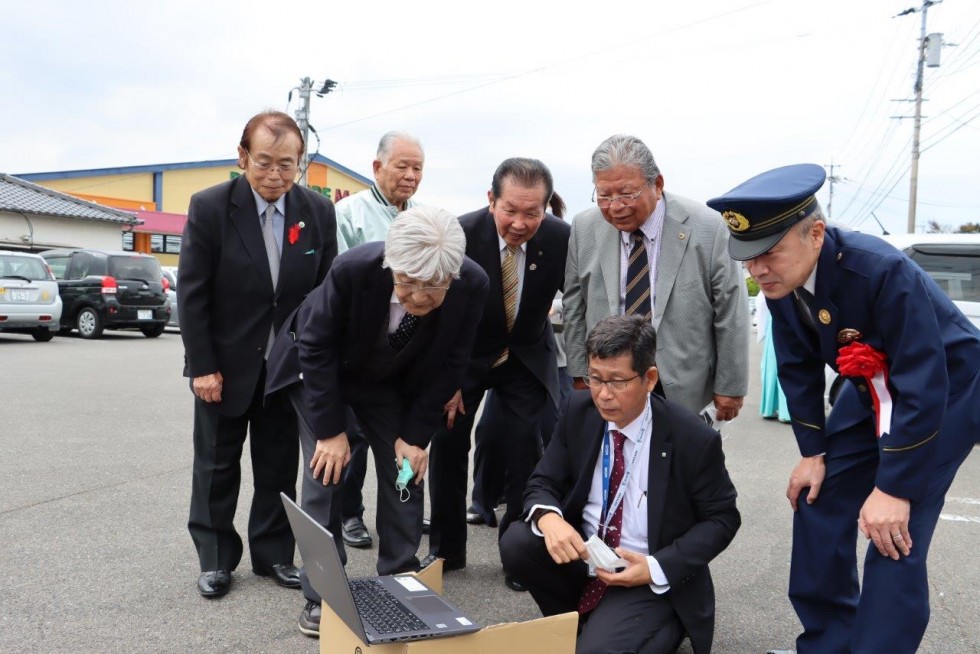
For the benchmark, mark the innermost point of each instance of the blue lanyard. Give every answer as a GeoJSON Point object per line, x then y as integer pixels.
{"type": "Point", "coordinates": [608, 511]}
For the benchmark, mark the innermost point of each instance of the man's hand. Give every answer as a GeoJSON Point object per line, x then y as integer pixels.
{"type": "Point", "coordinates": [636, 574]}
{"type": "Point", "coordinates": [330, 457]}
{"type": "Point", "coordinates": [727, 407]}
{"type": "Point", "coordinates": [884, 519]}
{"type": "Point", "coordinates": [809, 472]}
{"type": "Point", "coordinates": [578, 383]}
{"type": "Point", "coordinates": [208, 387]}
{"type": "Point", "coordinates": [563, 542]}
{"type": "Point", "coordinates": [451, 408]}
{"type": "Point", "coordinates": [417, 458]}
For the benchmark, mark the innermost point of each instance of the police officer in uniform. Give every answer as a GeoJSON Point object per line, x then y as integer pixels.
{"type": "Point", "coordinates": [883, 459]}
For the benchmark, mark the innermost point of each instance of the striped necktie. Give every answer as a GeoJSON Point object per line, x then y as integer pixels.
{"type": "Point", "coordinates": [638, 279]}
{"type": "Point", "coordinates": [508, 278]}
{"type": "Point", "coordinates": [272, 252]}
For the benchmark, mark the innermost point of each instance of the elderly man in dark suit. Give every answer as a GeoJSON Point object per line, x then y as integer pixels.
{"type": "Point", "coordinates": [522, 248]}
{"type": "Point", "coordinates": [251, 251]}
{"type": "Point", "coordinates": [389, 335]}
{"type": "Point", "coordinates": [648, 478]}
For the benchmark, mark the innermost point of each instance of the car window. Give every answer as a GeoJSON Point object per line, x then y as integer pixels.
{"type": "Point", "coordinates": [956, 268]}
{"type": "Point", "coordinates": [58, 265]}
{"type": "Point", "coordinates": [12, 265]}
{"type": "Point", "coordinates": [80, 266]}
{"type": "Point", "coordinates": [146, 269]}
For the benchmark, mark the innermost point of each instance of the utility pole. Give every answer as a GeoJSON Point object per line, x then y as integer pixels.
{"type": "Point", "coordinates": [303, 117]}
{"type": "Point", "coordinates": [833, 179]}
{"type": "Point", "coordinates": [303, 120]}
{"type": "Point", "coordinates": [917, 125]}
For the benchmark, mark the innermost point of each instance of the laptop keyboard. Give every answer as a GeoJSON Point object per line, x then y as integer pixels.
{"type": "Point", "coordinates": [381, 610]}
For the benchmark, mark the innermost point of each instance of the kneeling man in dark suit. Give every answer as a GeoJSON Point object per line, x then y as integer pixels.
{"type": "Point", "coordinates": [388, 334]}
{"type": "Point", "coordinates": [646, 477]}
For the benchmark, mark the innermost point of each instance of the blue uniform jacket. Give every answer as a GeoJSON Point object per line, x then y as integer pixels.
{"type": "Point", "coordinates": [932, 350]}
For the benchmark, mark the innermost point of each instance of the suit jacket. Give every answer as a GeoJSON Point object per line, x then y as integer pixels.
{"type": "Point", "coordinates": [226, 301]}
{"type": "Point", "coordinates": [932, 351]}
{"type": "Point", "coordinates": [532, 340]}
{"type": "Point", "coordinates": [333, 334]}
{"type": "Point", "coordinates": [700, 310]}
{"type": "Point", "coordinates": [692, 515]}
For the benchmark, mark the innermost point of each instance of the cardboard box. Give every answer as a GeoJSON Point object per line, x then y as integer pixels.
{"type": "Point", "coordinates": [555, 634]}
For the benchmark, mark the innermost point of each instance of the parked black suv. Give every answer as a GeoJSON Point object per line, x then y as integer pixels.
{"type": "Point", "coordinates": [103, 289]}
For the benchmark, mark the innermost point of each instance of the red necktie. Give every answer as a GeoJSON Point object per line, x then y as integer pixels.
{"type": "Point", "coordinates": [595, 588]}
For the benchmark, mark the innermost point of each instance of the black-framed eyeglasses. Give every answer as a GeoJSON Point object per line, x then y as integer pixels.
{"type": "Point", "coordinates": [615, 385]}
{"type": "Point", "coordinates": [429, 290]}
{"type": "Point", "coordinates": [284, 168]}
{"type": "Point", "coordinates": [606, 201]}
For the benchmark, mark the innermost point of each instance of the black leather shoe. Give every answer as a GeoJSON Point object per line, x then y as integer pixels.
{"type": "Point", "coordinates": [448, 565]}
{"type": "Point", "coordinates": [284, 574]}
{"type": "Point", "coordinates": [356, 533]}
{"type": "Point", "coordinates": [214, 583]}
{"type": "Point", "coordinates": [514, 585]}
{"type": "Point", "coordinates": [426, 526]}
{"type": "Point", "coordinates": [473, 517]}
{"type": "Point", "coordinates": [309, 620]}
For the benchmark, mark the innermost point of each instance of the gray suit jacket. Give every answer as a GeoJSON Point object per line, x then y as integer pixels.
{"type": "Point", "coordinates": [701, 305]}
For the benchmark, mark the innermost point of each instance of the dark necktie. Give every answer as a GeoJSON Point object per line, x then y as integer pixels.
{"type": "Point", "coordinates": [804, 301]}
{"type": "Point", "coordinates": [399, 338]}
{"type": "Point", "coordinates": [638, 279]}
{"type": "Point", "coordinates": [595, 588]}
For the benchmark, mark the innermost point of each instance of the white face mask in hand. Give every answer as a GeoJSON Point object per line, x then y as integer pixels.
{"type": "Point", "coordinates": [602, 556]}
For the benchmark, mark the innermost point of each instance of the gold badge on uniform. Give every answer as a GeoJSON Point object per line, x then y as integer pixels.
{"type": "Point", "coordinates": [824, 316]}
{"type": "Point", "coordinates": [736, 221]}
{"type": "Point", "coordinates": [847, 336]}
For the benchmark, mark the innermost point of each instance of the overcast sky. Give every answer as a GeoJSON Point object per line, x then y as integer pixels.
{"type": "Point", "coordinates": [719, 89]}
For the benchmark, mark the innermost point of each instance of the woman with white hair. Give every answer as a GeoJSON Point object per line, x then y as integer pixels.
{"type": "Point", "coordinates": [388, 333]}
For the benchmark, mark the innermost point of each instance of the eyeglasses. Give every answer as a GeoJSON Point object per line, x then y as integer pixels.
{"type": "Point", "coordinates": [429, 290]}
{"type": "Point", "coordinates": [605, 201]}
{"type": "Point", "coordinates": [285, 168]}
{"type": "Point", "coordinates": [615, 385]}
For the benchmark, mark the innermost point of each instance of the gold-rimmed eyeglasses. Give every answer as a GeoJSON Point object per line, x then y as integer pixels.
{"type": "Point", "coordinates": [605, 201]}
{"type": "Point", "coordinates": [284, 167]}
{"type": "Point", "coordinates": [615, 385]}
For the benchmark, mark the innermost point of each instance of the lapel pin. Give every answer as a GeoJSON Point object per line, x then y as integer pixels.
{"type": "Point", "coordinates": [533, 266]}
{"type": "Point", "coordinates": [663, 455]}
{"type": "Point", "coordinates": [824, 316]}
{"type": "Point", "coordinates": [848, 336]}
{"type": "Point", "coordinates": [540, 252]}
{"type": "Point", "coordinates": [682, 236]}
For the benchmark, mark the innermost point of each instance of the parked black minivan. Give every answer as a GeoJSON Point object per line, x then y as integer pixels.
{"type": "Point", "coordinates": [105, 289]}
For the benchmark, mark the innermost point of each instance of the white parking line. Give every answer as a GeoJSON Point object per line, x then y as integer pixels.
{"type": "Point", "coordinates": [959, 518]}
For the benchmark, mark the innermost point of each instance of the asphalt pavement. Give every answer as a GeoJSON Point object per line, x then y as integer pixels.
{"type": "Point", "coordinates": [95, 475]}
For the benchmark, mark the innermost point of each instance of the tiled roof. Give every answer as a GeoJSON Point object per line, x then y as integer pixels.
{"type": "Point", "coordinates": [24, 197]}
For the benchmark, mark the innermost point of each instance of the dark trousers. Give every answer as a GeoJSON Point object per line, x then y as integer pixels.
{"type": "Point", "coordinates": [521, 399]}
{"type": "Point", "coordinates": [399, 524]}
{"type": "Point", "coordinates": [626, 619]}
{"type": "Point", "coordinates": [353, 480]}
{"type": "Point", "coordinates": [218, 443]}
{"type": "Point", "coordinates": [890, 612]}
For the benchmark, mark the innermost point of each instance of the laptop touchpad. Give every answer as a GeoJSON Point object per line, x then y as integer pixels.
{"type": "Point", "coordinates": [427, 604]}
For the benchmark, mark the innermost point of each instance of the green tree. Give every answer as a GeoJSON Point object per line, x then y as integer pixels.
{"type": "Point", "coordinates": [752, 285]}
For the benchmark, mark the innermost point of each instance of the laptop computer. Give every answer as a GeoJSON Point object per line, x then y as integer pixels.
{"type": "Point", "coordinates": [378, 610]}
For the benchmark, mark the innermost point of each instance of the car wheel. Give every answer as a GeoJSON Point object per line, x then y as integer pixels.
{"type": "Point", "coordinates": [152, 331]}
{"type": "Point", "coordinates": [89, 323]}
{"type": "Point", "coordinates": [42, 334]}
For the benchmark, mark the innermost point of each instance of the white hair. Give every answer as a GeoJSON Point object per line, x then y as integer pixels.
{"type": "Point", "coordinates": [426, 244]}
{"type": "Point", "coordinates": [387, 142]}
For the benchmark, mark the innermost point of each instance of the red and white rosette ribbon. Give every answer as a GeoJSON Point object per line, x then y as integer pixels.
{"type": "Point", "coordinates": [861, 360]}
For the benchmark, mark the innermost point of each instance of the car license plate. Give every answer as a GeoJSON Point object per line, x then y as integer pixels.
{"type": "Point", "coordinates": [20, 295]}
{"type": "Point", "coordinates": [144, 314]}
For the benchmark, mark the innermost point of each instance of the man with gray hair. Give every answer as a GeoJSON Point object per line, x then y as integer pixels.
{"type": "Point", "coordinates": [645, 252]}
{"type": "Point", "coordinates": [388, 334]}
{"type": "Point", "coordinates": [361, 218]}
